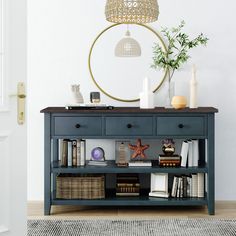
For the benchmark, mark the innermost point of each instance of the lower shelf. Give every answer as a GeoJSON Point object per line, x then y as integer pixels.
{"type": "Point", "coordinates": [134, 201]}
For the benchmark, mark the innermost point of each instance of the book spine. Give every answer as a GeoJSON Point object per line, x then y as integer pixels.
{"type": "Point", "coordinates": [200, 177]}
{"type": "Point", "coordinates": [194, 185]}
{"type": "Point", "coordinates": [189, 180]}
{"type": "Point", "coordinates": [69, 155]}
{"type": "Point", "coordinates": [190, 154]}
{"type": "Point", "coordinates": [128, 184]}
{"type": "Point", "coordinates": [179, 187]}
{"type": "Point", "coordinates": [127, 189]}
{"type": "Point", "coordinates": [195, 152]}
{"type": "Point", "coordinates": [60, 148]}
{"type": "Point", "coordinates": [174, 187]}
{"type": "Point", "coordinates": [74, 153]}
{"type": "Point", "coordinates": [184, 178]}
{"type": "Point", "coordinates": [82, 152]}
{"type": "Point", "coordinates": [184, 153]}
{"type": "Point", "coordinates": [64, 152]}
{"type": "Point", "coordinates": [78, 151]}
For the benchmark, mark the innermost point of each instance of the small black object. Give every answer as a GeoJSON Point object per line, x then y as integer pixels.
{"type": "Point", "coordinates": [181, 126]}
{"type": "Point", "coordinates": [77, 126]}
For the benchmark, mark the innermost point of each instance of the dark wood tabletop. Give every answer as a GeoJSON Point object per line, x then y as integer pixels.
{"type": "Point", "coordinates": [129, 110]}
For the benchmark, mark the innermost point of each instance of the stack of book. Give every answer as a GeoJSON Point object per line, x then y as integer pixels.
{"type": "Point", "coordinates": [169, 160]}
{"type": "Point", "coordinates": [188, 186]}
{"type": "Point", "coordinates": [72, 152]}
{"type": "Point", "coordinates": [127, 185]}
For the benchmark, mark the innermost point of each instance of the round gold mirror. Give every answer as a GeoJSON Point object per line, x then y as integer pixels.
{"type": "Point", "coordinates": [119, 74]}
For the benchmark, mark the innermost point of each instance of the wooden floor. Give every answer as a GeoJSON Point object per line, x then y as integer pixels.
{"type": "Point", "coordinates": [224, 209]}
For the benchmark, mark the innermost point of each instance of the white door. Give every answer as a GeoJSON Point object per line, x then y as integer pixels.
{"type": "Point", "coordinates": [12, 135]}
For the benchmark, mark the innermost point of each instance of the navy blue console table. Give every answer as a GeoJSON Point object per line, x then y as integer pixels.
{"type": "Point", "coordinates": [132, 123]}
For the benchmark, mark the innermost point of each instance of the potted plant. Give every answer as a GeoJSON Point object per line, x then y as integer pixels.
{"type": "Point", "coordinates": [177, 53]}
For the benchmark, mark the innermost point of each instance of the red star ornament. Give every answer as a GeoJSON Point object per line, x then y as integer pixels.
{"type": "Point", "coordinates": [138, 149]}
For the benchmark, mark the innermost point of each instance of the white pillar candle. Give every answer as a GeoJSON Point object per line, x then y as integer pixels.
{"type": "Point", "coordinates": [146, 96]}
{"type": "Point", "coordinates": [193, 89]}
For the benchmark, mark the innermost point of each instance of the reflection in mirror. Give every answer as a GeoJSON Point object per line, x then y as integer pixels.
{"type": "Point", "coordinates": [122, 77]}
{"type": "Point", "coordinates": [128, 47]}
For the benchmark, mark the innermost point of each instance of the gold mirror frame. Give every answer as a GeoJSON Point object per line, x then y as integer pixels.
{"type": "Point", "coordinates": [90, 67]}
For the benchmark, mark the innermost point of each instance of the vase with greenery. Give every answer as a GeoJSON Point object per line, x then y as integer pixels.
{"type": "Point", "coordinates": [176, 53]}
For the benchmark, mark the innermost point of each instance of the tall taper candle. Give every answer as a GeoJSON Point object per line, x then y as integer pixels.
{"type": "Point", "coordinates": [193, 89]}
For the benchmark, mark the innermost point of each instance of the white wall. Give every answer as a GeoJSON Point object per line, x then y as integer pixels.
{"type": "Point", "coordinates": [60, 35]}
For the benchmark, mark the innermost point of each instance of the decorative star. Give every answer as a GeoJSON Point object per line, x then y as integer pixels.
{"type": "Point", "coordinates": [138, 149]}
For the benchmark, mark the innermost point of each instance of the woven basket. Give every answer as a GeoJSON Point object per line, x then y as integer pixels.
{"type": "Point", "coordinates": [80, 186]}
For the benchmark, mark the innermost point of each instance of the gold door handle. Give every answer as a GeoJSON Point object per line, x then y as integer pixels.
{"type": "Point", "coordinates": [21, 96]}
{"type": "Point", "coordinates": [20, 102]}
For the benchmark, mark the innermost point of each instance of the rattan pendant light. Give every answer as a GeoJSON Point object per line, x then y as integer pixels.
{"type": "Point", "coordinates": [128, 47]}
{"type": "Point", "coordinates": [131, 11]}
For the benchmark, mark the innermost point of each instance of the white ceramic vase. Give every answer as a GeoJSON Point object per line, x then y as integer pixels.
{"type": "Point", "coordinates": [77, 96]}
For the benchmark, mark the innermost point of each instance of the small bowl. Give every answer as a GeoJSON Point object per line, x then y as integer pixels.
{"type": "Point", "coordinates": [179, 102]}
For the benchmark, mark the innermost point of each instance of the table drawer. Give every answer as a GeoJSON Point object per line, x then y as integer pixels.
{"type": "Point", "coordinates": [129, 126]}
{"type": "Point", "coordinates": [91, 126]}
{"type": "Point", "coordinates": [181, 126]}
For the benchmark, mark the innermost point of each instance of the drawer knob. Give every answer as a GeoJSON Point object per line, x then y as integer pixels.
{"type": "Point", "coordinates": [181, 126]}
{"type": "Point", "coordinates": [129, 126]}
{"type": "Point", "coordinates": [77, 126]}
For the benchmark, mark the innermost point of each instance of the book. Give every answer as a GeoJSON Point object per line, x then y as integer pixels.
{"type": "Point", "coordinates": [190, 153]}
{"type": "Point", "coordinates": [127, 189]}
{"type": "Point", "coordinates": [74, 153]}
{"type": "Point", "coordinates": [140, 163]}
{"type": "Point", "coordinates": [69, 155]}
{"type": "Point", "coordinates": [127, 179]}
{"type": "Point", "coordinates": [179, 187]}
{"type": "Point", "coordinates": [64, 155]}
{"type": "Point", "coordinates": [195, 152]}
{"type": "Point", "coordinates": [184, 153]}
{"type": "Point", "coordinates": [185, 183]}
{"type": "Point", "coordinates": [200, 185]}
{"type": "Point", "coordinates": [189, 186]}
{"type": "Point", "coordinates": [159, 194]}
{"type": "Point", "coordinates": [97, 163]}
{"type": "Point", "coordinates": [128, 184]}
{"type": "Point", "coordinates": [194, 185]}
{"type": "Point", "coordinates": [172, 157]}
{"type": "Point", "coordinates": [78, 151]}
{"type": "Point", "coordinates": [60, 150]}
{"type": "Point", "coordinates": [82, 152]}
{"type": "Point", "coordinates": [174, 187]}
{"type": "Point", "coordinates": [127, 194]}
